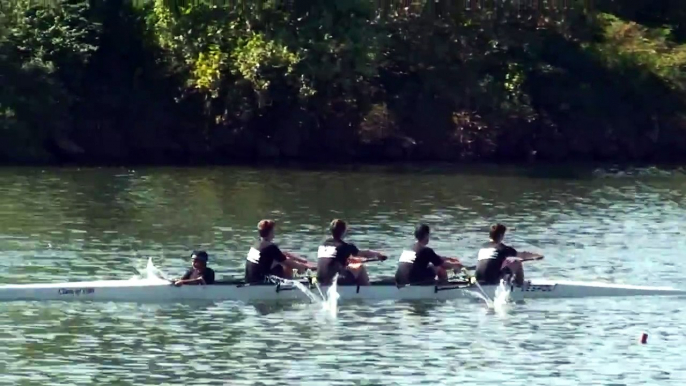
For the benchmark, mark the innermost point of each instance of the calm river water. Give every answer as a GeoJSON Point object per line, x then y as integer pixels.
{"type": "Point", "coordinates": [79, 224]}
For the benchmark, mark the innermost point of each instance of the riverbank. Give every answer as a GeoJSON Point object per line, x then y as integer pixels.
{"type": "Point", "coordinates": [115, 83]}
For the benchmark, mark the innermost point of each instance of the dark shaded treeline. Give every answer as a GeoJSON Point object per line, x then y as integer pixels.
{"type": "Point", "coordinates": [110, 81]}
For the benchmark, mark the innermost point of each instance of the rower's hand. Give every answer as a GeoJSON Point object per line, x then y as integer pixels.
{"type": "Point", "coordinates": [382, 257]}
{"type": "Point", "coordinates": [178, 283]}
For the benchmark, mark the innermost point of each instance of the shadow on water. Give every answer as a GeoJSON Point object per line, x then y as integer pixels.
{"type": "Point", "coordinates": [359, 306]}
{"type": "Point", "coordinates": [267, 308]}
{"type": "Point", "coordinates": [423, 308]}
{"type": "Point", "coordinates": [575, 172]}
{"type": "Point", "coordinates": [566, 171]}
{"type": "Point", "coordinates": [419, 308]}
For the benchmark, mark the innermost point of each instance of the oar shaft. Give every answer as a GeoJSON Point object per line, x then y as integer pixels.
{"type": "Point", "coordinates": [475, 282]}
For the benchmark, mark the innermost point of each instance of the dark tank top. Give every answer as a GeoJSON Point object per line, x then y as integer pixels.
{"type": "Point", "coordinates": [490, 262]}
{"type": "Point", "coordinates": [260, 259]}
{"type": "Point", "coordinates": [414, 264]}
{"type": "Point", "coordinates": [332, 258]}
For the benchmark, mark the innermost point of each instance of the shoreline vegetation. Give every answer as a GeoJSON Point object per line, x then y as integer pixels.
{"type": "Point", "coordinates": [216, 82]}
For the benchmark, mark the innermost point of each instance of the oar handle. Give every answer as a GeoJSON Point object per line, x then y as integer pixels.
{"type": "Point", "coordinates": [472, 278]}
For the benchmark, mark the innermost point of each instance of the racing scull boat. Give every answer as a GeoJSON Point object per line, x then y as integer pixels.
{"type": "Point", "coordinates": [161, 291]}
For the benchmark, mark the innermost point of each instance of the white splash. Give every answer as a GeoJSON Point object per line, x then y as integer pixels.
{"type": "Point", "coordinates": [328, 303]}
{"type": "Point", "coordinates": [502, 295]}
{"type": "Point", "coordinates": [501, 299]}
{"type": "Point", "coordinates": [150, 272]}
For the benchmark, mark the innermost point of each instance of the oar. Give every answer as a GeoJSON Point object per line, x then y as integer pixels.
{"type": "Point", "coordinates": [371, 259]}
{"type": "Point", "coordinates": [476, 282]}
{"type": "Point", "coordinates": [313, 280]}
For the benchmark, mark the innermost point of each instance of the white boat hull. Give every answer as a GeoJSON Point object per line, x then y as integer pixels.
{"type": "Point", "coordinates": [158, 291]}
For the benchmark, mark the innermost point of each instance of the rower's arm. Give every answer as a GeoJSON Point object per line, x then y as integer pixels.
{"type": "Point", "coordinates": [362, 260]}
{"type": "Point", "coordinates": [452, 263]}
{"type": "Point", "coordinates": [290, 260]}
{"type": "Point", "coordinates": [365, 253]}
{"type": "Point", "coordinates": [369, 254]}
{"type": "Point", "coordinates": [528, 256]}
{"type": "Point", "coordinates": [295, 257]}
{"type": "Point", "coordinates": [199, 280]}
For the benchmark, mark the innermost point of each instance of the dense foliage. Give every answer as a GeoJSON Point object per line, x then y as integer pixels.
{"type": "Point", "coordinates": [160, 81]}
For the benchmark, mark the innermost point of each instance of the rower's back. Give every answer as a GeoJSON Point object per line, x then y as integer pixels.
{"type": "Point", "coordinates": [414, 265]}
{"type": "Point", "coordinates": [263, 259]}
{"type": "Point", "coordinates": [490, 261]}
{"type": "Point", "coordinates": [332, 258]}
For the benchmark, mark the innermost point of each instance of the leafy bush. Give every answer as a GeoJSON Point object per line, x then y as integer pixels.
{"type": "Point", "coordinates": [113, 82]}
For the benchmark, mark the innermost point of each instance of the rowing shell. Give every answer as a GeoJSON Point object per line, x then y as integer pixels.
{"type": "Point", "coordinates": [161, 291]}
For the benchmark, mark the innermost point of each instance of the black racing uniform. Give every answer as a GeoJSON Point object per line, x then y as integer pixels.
{"type": "Point", "coordinates": [263, 261]}
{"type": "Point", "coordinates": [207, 275]}
{"type": "Point", "coordinates": [414, 268]}
{"type": "Point", "coordinates": [332, 258]}
{"type": "Point", "coordinates": [490, 262]}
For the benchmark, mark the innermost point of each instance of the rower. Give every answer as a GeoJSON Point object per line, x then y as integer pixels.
{"type": "Point", "coordinates": [266, 259]}
{"type": "Point", "coordinates": [498, 261]}
{"type": "Point", "coordinates": [199, 273]}
{"type": "Point", "coordinates": [337, 256]}
{"type": "Point", "coordinates": [420, 264]}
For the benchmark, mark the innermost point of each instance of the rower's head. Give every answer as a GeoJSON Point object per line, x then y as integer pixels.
{"type": "Point", "coordinates": [200, 259]}
{"type": "Point", "coordinates": [266, 229]}
{"type": "Point", "coordinates": [421, 233]}
{"type": "Point", "coordinates": [497, 232]}
{"type": "Point", "coordinates": [338, 229]}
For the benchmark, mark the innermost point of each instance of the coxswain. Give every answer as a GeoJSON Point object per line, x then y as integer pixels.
{"type": "Point", "coordinates": [420, 264]}
{"type": "Point", "coordinates": [199, 273]}
{"type": "Point", "coordinates": [336, 256]}
{"type": "Point", "coordinates": [498, 261]}
{"type": "Point", "coordinates": [266, 259]}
